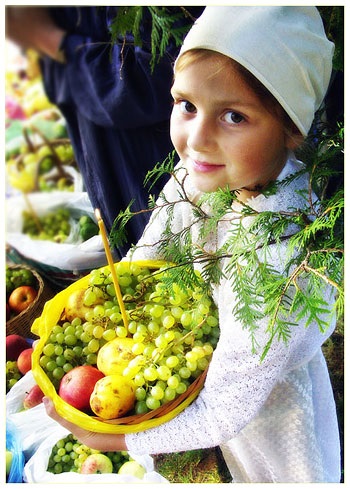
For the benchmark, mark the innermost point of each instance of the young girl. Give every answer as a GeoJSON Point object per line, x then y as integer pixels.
{"type": "Point", "coordinates": [247, 83]}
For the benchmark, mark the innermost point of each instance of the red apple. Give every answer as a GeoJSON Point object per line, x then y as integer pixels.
{"type": "Point", "coordinates": [33, 397]}
{"type": "Point", "coordinates": [24, 361]}
{"type": "Point", "coordinates": [21, 298]}
{"type": "Point", "coordinates": [77, 385]}
{"type": "Point", "coordinates": [15, 344]}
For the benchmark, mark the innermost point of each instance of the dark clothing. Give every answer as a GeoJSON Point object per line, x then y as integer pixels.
{"type": "Point", "coordinates": [117, 110]}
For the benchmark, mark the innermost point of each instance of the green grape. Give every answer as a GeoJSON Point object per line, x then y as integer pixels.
{"type": "Point", "coordinates": [152, 403]}
{"type": "Point", "coordinates": [173, 382]}
{"type": "Point", "coordinates": [58, 350]}
{"type": "Point", "coordinates": [98, 332]}
{"type": "Point", "coordinates": [140, 394]}
{"type": "Point", "coordinates": [150, 373]}
{"type": "Point", "coordinates": [164, 373]}
{"type": "Point", "coordinates": [67, 367]}
{"type": "Point", "coordinates": [186, 318]}
{"type": "Point", "coordinates": [168, 321]}
{"type": "Point", "coordinates": [138, 348]}
{"type": "Point", "coordinates": [185, 373]}
{"type": "Point", "coordinates": [169, 394]}
{"type": "Point", "coordinates": [157, 392]}
{"type": "Point", "coordinates": [121, 331]}
{"type": "Point", "coordinates": [141, 407]}
{"type": "Point", "coordinates": [109, 334]}
{"type": "Point", "coordinates": [191, 356]}
{"type": "Point", "coordinates": [60, 360]}
{"type": "Point", "coordinates": [172, 361]}
{"type": "Point", "coordinates": [157, 311]}
{"type": "Point", "coordinates": [49, 349]}
{"type": "Point", "coordinates": [51, 365]}
{"type": "Point", "coordinates": [181, 388]}
{"type": "Point", "coordinates": [139, 379]}
{"type": "Point", "coordinates": [161, 342]}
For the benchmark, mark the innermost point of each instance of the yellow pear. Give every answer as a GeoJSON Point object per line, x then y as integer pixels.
{"type": "Point", "coordinates": [112, 397]}
{"type": "Point", "coordinates": [75, 306]}
{"type": "Point", "coordinates": [115, 355]}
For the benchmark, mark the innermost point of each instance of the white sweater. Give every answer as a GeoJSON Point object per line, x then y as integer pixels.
{"type": "Point", "coordinates": [275, 420]}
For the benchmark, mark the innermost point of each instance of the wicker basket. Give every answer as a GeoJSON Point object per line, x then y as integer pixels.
{"type": "Point", "coordinates": [127, 424]}
{"type": "Point", "coordinates": [22, 323]}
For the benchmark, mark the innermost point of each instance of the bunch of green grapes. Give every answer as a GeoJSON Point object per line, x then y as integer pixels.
{"type": "Point", "coordinates": [174, 329]}
{"type": "Point", "coordinates": [54, 226]}
{"type": "Point", "coordinates": [12, 374]}
{"type": "Point", "coordinates": [16, 277]}
{"type": "Point", "coordinates": [68, 455]}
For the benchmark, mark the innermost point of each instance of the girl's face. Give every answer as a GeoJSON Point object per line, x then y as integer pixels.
{"type": "Point", "coordinates": [222, 131]}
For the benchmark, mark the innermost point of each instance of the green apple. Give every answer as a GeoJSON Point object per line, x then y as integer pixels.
{"type": "Point", "coordinates": [97, 463]}
{"type": "Point", "coordinates": [9, 457]}
{"type": "Point", "coordinates": [132, 468]}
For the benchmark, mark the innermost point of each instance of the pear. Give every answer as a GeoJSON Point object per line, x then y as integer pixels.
{"type": "Point", "coordinates": [114, 356]}
{"type": "Point", "coordinates": [113, 396]}
{"type": "Point", "coordinates": [75, 306]}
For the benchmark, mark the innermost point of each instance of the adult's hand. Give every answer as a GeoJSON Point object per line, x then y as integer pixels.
{"type": "Point", "coordinates": [32, 27]}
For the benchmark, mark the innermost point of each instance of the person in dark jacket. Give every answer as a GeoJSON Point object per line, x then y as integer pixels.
{"type": "Point", "coordinates": [116, 107]}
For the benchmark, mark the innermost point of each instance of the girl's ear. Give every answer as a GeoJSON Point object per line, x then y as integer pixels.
{"type": "Point", "coordinates": [293, 138]}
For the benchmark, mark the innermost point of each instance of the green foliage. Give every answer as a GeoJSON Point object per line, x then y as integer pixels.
{"type": "Point", "coordinates": [164, 27]}
{"type": "Point", "coordinates": [333, 18]}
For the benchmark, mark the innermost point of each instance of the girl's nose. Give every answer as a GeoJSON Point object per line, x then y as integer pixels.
{"type": "Point", "coordinates": [201, 135]}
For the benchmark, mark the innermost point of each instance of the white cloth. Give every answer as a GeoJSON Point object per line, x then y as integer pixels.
{"type": "Point", "coordinates": [275, 420]}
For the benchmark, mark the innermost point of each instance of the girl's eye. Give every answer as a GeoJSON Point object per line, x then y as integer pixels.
{"type": "Point", "coordinates": [233, 117]}
{"type": "Point", "coordinates": [186, 107]}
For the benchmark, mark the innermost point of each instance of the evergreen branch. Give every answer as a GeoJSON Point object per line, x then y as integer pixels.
{"type": "Point", "coordinates": [165, 28]}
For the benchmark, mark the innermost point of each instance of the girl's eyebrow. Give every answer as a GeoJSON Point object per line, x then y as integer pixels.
{"type": "Point", "coordinates": [222, 102]}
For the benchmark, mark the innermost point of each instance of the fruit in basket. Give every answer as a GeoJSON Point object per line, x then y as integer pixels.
{"type": "Point", "coordinates": [115, 356]}
{"type": "Point", "coordinates": [97, 463]}
{"type": "Point", "coordinates": [131, 467]}
{"type": "Point", "coordinates": [75, 306]}
{"type": "Point", "coordinates": [112, 397]}
{"type": "Point", "coordinates": [24, 361]}
{"type": "Point", "coordinates": [168, 341]}
{"type": "Point", "coordinates": [12, 374]}
{"type": "Point", "coordinates": [21, 298]}
{"type": "Point", "coordinates": [33, 397]}
{"type": "Point", "coordinates": [15, 277]}
{"type": "Point", "coordinates": [77, 385]}
{"type": "Point", "coordinates": [15, 344]}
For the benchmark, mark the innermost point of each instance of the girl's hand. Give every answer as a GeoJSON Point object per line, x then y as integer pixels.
{"type": "Point", "coordinates": [104, 442]}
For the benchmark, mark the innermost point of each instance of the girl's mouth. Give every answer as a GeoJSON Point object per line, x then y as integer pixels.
{"type": "Point", "coordinates": [204, 167]}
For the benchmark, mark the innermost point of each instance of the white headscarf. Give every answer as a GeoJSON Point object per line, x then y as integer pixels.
{"type": "Point", "coordinates": [285, 48]}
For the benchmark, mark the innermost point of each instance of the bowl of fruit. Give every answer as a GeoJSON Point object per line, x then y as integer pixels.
{"type": "Point", "coordinates": [124, 367]}
{"type": "Point", "coordinates": [26, 295]}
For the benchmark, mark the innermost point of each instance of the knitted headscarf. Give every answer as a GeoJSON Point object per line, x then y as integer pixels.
{"type": "Point", "coordinates": [285, 48]}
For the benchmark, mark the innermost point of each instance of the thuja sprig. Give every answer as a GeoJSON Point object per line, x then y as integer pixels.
{"type": "Point", "coordinates": [164, 28]}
